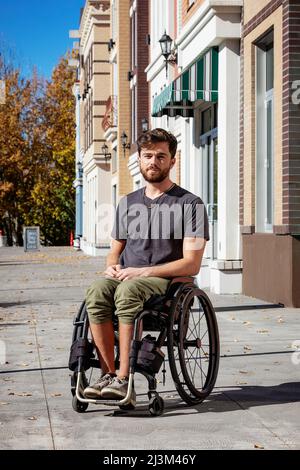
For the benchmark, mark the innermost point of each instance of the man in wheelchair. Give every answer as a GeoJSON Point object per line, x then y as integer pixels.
{"type": "Point", "coordinates": [160, 232]}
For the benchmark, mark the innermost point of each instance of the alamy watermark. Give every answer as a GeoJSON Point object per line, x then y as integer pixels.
{"type": "Point", "coordinates": [296, 354]}
{"type": "Point", "coordinates": [296, 93]}
{"type": "Point", "coordinates": [154, 221]}
{"type": "Point", "coordinates": [2, 92]}
{"type": "Point", "coordinates": [2, 352]}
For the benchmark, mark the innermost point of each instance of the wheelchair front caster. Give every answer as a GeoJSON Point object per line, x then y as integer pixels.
{"type": "Point", "coordinates": [156, 406]}
{"type": "Point", "coordinates": [78, 405]}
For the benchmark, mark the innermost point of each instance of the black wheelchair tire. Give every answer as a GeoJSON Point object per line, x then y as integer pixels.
{"type": "Point", "coordinates": [179, 364]}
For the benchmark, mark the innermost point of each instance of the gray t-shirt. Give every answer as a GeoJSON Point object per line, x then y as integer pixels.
{"type": "Point", "coordinates": [154, 228]}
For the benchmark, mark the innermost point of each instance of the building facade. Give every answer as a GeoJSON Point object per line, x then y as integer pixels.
{"type": "Point", "coordinates": [270, 150]}
{"type": "Point", "coordinates": [198, 101]}
{"type": "Point", "coordinates": [229, 91]}
{"type": "Point", "coordinates": [116, 123]}
{"type": "Point", "coordinates": [94, 87]}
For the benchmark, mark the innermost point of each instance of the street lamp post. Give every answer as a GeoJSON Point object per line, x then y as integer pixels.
{"type": "Point", "coordinates": [166, 50]}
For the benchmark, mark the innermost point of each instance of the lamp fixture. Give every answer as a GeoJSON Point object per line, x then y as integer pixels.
{"type": "Point", "coordinates": [167, 51]}
{"type": "Point", "coordinates": [125, 143]}
{"type": "Point", "coordinates": [105, 152]}
{"type": "Point", "coordinates": [79, 168]}
{"type": "Point", "coordinates": [145, 124]}
{"type": "Point", "coordinates": [111, 44]}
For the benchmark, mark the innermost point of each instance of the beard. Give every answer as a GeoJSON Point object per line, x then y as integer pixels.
{"type": "Point", "coordinates": [156, 177]}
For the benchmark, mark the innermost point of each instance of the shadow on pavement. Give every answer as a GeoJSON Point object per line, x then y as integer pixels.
{"type": "Point", "coordinates": [233, 399]}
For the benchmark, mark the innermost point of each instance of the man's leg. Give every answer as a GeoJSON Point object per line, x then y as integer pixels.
{"type": "Point", "coordinates": [130, 297]}
{"type": "Point", "coordinates": [125, 337]}
{"type": "Point", "coordinates": [100, 308]}
{"type": "Point", "coordinates": [104, 338]}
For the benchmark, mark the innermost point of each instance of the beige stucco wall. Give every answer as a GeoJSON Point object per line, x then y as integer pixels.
{"type": "Point", "coordinates": [249, 118]}
{"type": "Point", "coordinates": [252, 7]}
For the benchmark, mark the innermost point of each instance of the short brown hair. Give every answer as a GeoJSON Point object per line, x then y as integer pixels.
{"type": "Point", "coordinates": [157, 135]}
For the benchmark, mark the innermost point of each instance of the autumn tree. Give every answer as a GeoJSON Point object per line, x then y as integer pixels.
{"type": "Point", "coordinates": [53, 196]}
{"type": "Point", "coordinates": [17, 142]}
{"type": "Point", "coordinates": [37, 149]}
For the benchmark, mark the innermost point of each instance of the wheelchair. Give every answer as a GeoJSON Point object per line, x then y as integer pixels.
{"type": "Point", "coordinates": [184, 322]}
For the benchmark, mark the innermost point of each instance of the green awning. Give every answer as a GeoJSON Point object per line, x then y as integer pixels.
{"type": "Point", "coordinates": [198, 82]}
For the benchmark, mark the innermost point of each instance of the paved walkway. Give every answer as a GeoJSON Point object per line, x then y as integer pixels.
{"type": "Point", "coordinates": [254, 404]}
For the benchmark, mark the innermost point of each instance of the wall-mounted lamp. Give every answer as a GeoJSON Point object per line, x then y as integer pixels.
{"type": "Point", "coordinates": [145, 124]}
{"type": "Point", "coordinates": [80, 169]}
{"type": "Point", "coordinates": [111, 44]}
{"type": "Point", "coordinates": [125, 143]}
{"type": "Point", "coordinates": [129, 75]}
{"type": "Point", "coordinates": [167, 51]}
{"type": "Point", "coordinates": [105, 152]}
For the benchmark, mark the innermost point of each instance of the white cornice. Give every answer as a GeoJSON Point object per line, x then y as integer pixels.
{"type": "Point", "coordinates": [88, 20]}
{"type": "Point", "coordinates": [203, 15]}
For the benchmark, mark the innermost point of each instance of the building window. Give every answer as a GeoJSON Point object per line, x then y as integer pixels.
{"type": "Point", "coordinates": [209, 151]}
{"type": "Point", "coordinates": [265, 133]}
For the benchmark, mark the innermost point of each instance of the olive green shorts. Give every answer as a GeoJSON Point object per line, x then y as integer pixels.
{"type": "Point", "coordinates": [126, 298]}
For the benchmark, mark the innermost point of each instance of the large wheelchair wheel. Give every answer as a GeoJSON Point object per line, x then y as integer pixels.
{"type": "Point", "coordinates": [193, 345]}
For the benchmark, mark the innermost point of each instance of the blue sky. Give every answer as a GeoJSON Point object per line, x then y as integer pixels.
{"type": "Point", "coordinates": [36, 32]}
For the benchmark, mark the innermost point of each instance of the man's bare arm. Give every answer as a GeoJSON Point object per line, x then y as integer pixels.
{"type": "Point", "coordinates": [112, 259]}
{"type": "Point", "coordinates": [188, 265]}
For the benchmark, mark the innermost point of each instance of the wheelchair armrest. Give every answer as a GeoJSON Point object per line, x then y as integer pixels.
{"type": "Point", "coordinates": [182, 279]}
{"type": "Point", "coordinates": [175, 282]}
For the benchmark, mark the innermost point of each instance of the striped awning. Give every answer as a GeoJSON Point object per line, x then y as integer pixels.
{"type": "Point", "coordinates": [198, 82]}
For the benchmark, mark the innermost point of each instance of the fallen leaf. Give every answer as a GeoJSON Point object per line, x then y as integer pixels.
{"type": "Point", "coordinates": [232, 318]}
{"type": "Point", "coordinates": [24, 394]}
{"type": "Point", "coordinates": [280, 320]}
{"type": "Point", "coordinates": [4, 403]}
{"type": "Point", "coordinates": [262, 331]}
{"type": "Point", "coordinates": [56, 394]}
{"type": "Point", "coordinates": [247, 322]}
{"type": "Point", "coordinates": [247, 348]}
{"type": "Point", "coordinates": [258, 446]}
{"type": "Point", "coordinates": [32, 418]}
{"type": "Point", "coordinates": [243, 371]}
{"type": "Point", "coordinates": [11, 393]}
{"type": "Point", "coordinates": [241, 383]}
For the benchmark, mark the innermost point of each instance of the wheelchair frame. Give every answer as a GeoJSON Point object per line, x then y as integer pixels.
{"type": "Point", "coordinates": [171, 315]}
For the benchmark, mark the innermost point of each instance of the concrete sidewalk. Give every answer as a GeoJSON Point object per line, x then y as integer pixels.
{"type": "Point", "coordinates": [254, 404]}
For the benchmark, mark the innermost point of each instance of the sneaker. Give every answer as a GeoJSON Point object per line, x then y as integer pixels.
{"type": "Point", "coordinates": [117, 390]}
{"type": "Point", "coordinates": [94, 391]}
